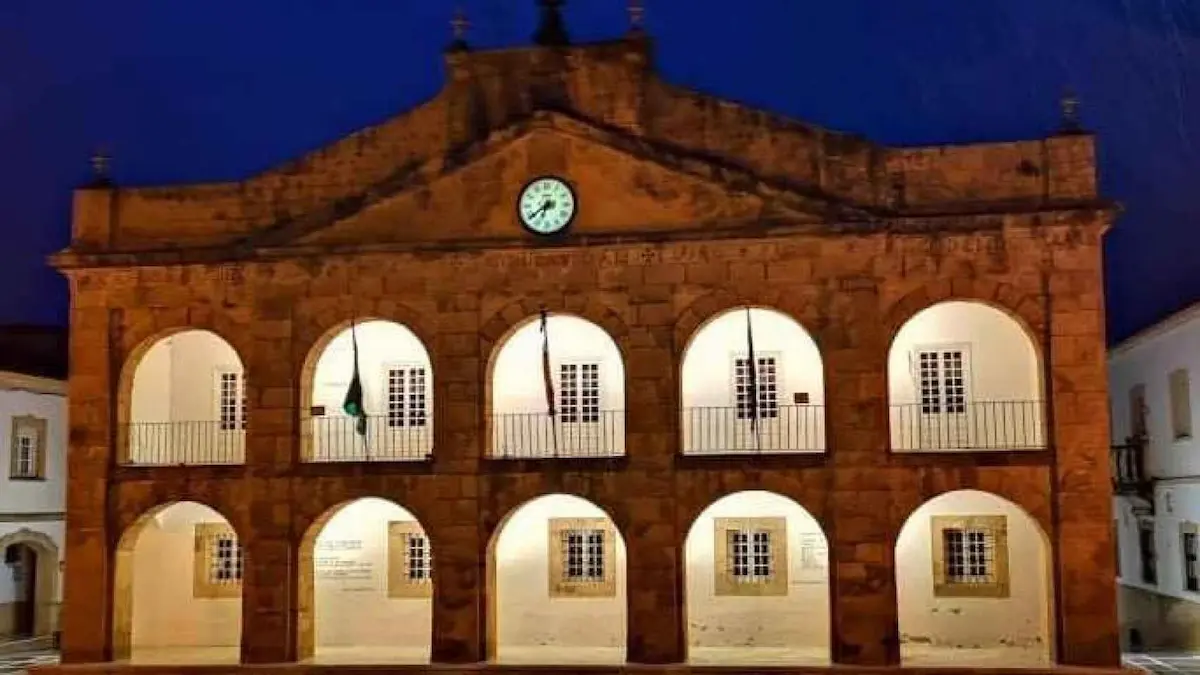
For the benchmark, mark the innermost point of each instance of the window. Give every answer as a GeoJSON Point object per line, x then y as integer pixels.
{"type": "Point", "coordinates": [220, 562]}
{"type": "Point", "coordinates": [767, 383]}
{"type": "Point", "coordinates": [579, 393]}
{"type": "Point", "coordinates": [410, 561]}
{"type": "Point", "coordinates": [231, 401]}
{"type": "Point", "coordinates": [582, 560]}
{"type": "Point", "coordinates": [970, 556]}
{"type": "Point", "coordinates": [1137, 410]}
{"type": "Point", "coordinates": [406, 397]}
{"type": "Point", "coordinates": [1191, 566]}
{"type": "Point", "coordinates": [1181, 404]}
{"type": "Point", "coordinates": [750, 556]}
{"type": "Point", "coordinates": [1147, 552]}
{"type": "Point", "coordinates": [27, 451]}
{"type": "Point", "coordinates": [942, 379]}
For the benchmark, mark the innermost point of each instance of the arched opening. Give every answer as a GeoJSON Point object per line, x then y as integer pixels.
{"type": "Point", "coordinates": [719, 387]}
{"type": "Point", "coordinates": [178, 588]}
{"type": "Point", "coordinates": [965, 376]}
{"type": "Point", "coordinates": [396, 379]}
{"type": "Point", "coordinates": [973, 584]}
{"type": "Point", "coordinates": [556, 585]}
{"type": "Point", "coordinates": [366, 586]}
{"type": "Point", "coordinates": [572, 368]}
{"type": "Point", "coordinates": [31, 581]}
{"type": "Point", "coordinates": [186, 402]}
{"type": "Point", "coordinates": [757, 570]}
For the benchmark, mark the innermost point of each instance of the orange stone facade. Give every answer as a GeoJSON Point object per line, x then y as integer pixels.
{"type": "Point", "coordinates": [690, 205]}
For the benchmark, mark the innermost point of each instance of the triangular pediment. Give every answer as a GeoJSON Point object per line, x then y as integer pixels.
{"type": "Point", "coordinates": [624, 185]}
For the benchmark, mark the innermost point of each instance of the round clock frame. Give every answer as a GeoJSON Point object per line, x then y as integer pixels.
{"type": "Point", "coordinates": [562, 229]}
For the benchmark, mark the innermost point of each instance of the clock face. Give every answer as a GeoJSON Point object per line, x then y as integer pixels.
{"type": "Point", "coordinates": [546, 205]}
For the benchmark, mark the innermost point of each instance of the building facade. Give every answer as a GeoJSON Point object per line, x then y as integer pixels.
{"type": "Point", "coordinates": [1157, 506]}
{"type": "Point", "coordinates": [33, 442]}
{"type": "Point", "coordinates": [815, 400]}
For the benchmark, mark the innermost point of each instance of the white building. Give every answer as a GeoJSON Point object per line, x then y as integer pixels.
{"type": "Point", "coordinates": [1157, 507]}
{"type": "Point", "coordinates": [33, 441]}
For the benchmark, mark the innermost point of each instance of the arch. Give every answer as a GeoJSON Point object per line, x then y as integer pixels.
{"type": "Point", "coordinates": [44, 568]}
{"type": "Point", "coordinates": [508, 319]}
{"type": "Point", "coordinates": [588, 378]}
{"type": "Point", "coordinates": [1026, 309]}
{"type": "Point", "coordinates": [396, 372]}
{"type": "Point", "coordinates": [182, 415]}
{"type": "Point", "coordinates": [743, 609]}
{"type": "Point", "coordinates": [177, 588]}
{"type": "Point", "coordinates": [967, 607]}
{"type": "Point", "coordinates": [365, 586]}
{"type": "Point", "coordinates": [965, 375]}
{"type": "Point", "coordinates": [805, 311]}
{"type": "Point", "coordinates": [541, 612]}
{"type": "Point", "coordinates": [717, 417]}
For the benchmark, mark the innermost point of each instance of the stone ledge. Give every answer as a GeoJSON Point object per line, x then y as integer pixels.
{"type": "Point", "coordinates": [454, 669]}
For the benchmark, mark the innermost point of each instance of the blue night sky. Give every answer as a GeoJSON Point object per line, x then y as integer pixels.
{"type": "Point", "coordinates": [181, 90]}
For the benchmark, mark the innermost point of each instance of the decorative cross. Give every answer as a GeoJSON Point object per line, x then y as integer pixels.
{"type": "Point", "coordinates": [1069, 106]}
{"type": "Point", "coordinates": [637, 14]}
{"type": "Point", "coordinates": [101, 163]}
{"type": "Point", "coordinates": [459, 24]}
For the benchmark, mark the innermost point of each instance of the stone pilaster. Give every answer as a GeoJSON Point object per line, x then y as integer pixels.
{"type": "Point", "coordinates": [87, 612]}
{"type": "Point", "coordinates": [862, 577]}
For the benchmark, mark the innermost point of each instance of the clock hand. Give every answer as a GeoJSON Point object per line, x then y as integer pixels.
{"type": "Point", "coordinates": [545, 206]}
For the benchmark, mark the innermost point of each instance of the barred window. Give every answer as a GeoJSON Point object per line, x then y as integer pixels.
{"type": "Point", "coordinates": [1191, 568]}
{"type": "Point", "coordinates": [25, 462]}
{"type": "Point", "coordinates": [583, 559]}
{"type": "Point", "coordinates": [1147, 552]}
{"type": "Point", "coordinates": [767, 384]}
{"type": "Point", "coordinates": [225, 559]}
{"type": "Point", "coordinates": [419, 559]}
{"type": "Point", "coordinates": [942, 377]}
{"type": "Point", "coordinates": [579, 392]}
{"type": "Point", "coordinates": [406, 397]}
{"type": "Point", "coordinates": [970, 555]}
{"type": "Point", "coordinates": [232, 404]}
{"type": "Point", "coordinates": [750, 556]}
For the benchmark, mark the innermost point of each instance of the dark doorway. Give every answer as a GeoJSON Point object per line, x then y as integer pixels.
{"type": "Point", "coordinates": [22, 562]}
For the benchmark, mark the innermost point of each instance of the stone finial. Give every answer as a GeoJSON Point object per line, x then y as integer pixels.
{"type": "Point", "coordinates": [552, 31]}
{"type": "Point", "coordinates": [458, 26]}
{"type": "Point", "coordinates": [1069, 109]}
{"type": "Point", "coordinates": [637, 15]}
{"type": "Point", "coordinates": [101, 163]}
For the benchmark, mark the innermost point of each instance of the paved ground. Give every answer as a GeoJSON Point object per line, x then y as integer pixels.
{"type": "Point", "coordinates": [1165, 662]}
{"type": "Point", "coordinates": [17, 663]}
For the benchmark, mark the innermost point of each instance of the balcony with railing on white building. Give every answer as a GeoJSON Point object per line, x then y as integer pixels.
{"type": "Point", "coordinates": [570, 365]}
{"type": "Point", "coordinates": [965, 376]}
{"type": "Point", "coordinates": [185, 402]}
{"type": "Point", "coordinates": [735, 403]}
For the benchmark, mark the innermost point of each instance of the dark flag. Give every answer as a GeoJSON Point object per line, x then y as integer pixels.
{"type": "Point", "coordinates": [353, 405]}
{"type": "Point", "coordinates": [548, 381]}
{"type": "Point", "coordinates": [752, 376]}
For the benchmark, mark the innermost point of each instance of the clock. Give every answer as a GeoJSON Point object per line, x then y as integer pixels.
{"type": "Point", "coordinates": [547, 205]}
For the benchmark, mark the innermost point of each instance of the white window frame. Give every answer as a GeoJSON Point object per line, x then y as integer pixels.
{"type": "Point", "coordinates": [583, 559]}
{"type": "Point", "coordinates": [409, 410]}
{"type": "Point", "coordinates": [943, 404]}
{"type": "Point", "coordinates": [234, 564]}
{"type": "Point", "coordinates": [962, 564]}
{"type": "Point", "coordinates": [241, 412]}
{"type": "Point", "coordinates": [751, 558]}
{"type": "Point", "coordinates": [26, 448]}
{"type": "Point", "coordinates": [418, 560]}
{"type": "Point", "coordinates": [580, 410]}
{"type": "Point", "coordinates": [768, 409]}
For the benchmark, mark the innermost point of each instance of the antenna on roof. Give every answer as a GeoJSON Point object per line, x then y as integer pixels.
{"type": "Point", "coordinates": [101, 163]}
{"type": "Point", "coordinates": [1069, 108]}
{"type": "Point", "coordinates": [459, 25]}
{"type": "Point", "coordinates": [637, 15]}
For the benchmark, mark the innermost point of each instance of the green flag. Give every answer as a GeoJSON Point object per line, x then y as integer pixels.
{"type": "Point", "coordinates": [353, 405]}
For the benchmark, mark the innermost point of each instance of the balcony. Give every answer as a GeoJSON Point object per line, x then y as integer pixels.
{"type": "Point", "coordinates": [728, 431]}
{"type": "Point", "coordinates": [536, 435]}
{"type": "Point", "coordinates": [1128, 465]}
{"type": "Point", "coordinates": [974, 426]}
{"type": "Point", "coordinates": [388, 439]}
{"type": "Point", "coordinates": [184, 443]}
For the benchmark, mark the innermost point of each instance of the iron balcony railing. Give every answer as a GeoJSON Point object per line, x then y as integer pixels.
{"type": "Point", "coordinates": [730, 430]}
{"type": "Point", "coordinates": [1129, 473]}
{"type": "Point", "coordinates": [388, 439]}
{"type": "Point", "coordinates": [184, 443]}
{"type": "Point", "coordinates": [978, 425]}
{"type": "Point", "coordinates": [535, 435]}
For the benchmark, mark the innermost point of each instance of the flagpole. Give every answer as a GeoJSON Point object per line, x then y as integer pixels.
{"type": "Point", "coordinates": [752, 373]}
{"type": "Point", "coordinates": [548, 381]}
{"type": "Point", "coordinates": [354, 405]}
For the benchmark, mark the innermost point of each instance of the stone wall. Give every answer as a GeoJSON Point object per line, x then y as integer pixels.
{"type": "Point", "coordinates": [851, 291]}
